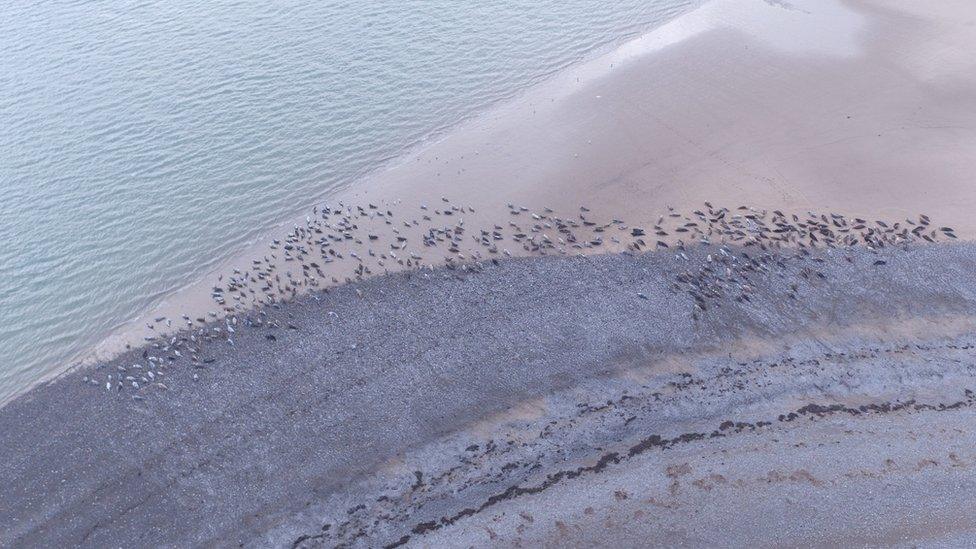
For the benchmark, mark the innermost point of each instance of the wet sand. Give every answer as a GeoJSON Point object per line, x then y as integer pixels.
{"type": "Point", "coordinates": [862, 108]}
{"type": "Point", "coordinates": [423, 406]}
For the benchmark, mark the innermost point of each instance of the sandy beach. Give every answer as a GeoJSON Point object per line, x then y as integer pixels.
{"type": "Point", "coordinates": [631, 370]}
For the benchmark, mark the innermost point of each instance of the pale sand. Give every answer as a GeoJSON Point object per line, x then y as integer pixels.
{"type": "Point", "coordinates": [865, 108]}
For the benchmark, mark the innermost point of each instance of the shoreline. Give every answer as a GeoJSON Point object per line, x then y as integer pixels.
{"type": "Point", "coordinates": [347, 390]}
{"type": "Point", "coordinates": [559, 143]}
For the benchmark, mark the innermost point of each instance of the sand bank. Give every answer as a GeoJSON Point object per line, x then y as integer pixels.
{"type": "Point", "coordinates": [420, 396]}
{"type": "Point", "coordinates": [863, 108]}
{"type": "Point", "coordinates": [438, 406]}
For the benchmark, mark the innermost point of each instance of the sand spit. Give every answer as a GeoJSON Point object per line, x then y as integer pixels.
{"type": "Point", "coordinates": [417, 405]}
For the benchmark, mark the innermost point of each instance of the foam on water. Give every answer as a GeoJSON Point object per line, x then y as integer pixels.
{"type": "Point", "coordinates": [142, 143]}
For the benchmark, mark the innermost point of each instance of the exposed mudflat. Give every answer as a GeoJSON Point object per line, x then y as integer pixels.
{"type": "Point", "coordinates": [562, 401]}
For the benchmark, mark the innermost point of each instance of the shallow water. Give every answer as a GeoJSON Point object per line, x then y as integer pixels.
{"type": "Point", "coordinates": [141, 143]}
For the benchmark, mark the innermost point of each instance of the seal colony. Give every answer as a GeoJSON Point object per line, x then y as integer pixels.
{"type": "Point", "coordinates": [344, 244]}
{"type": "Point", "coordinates": [334, 233]}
